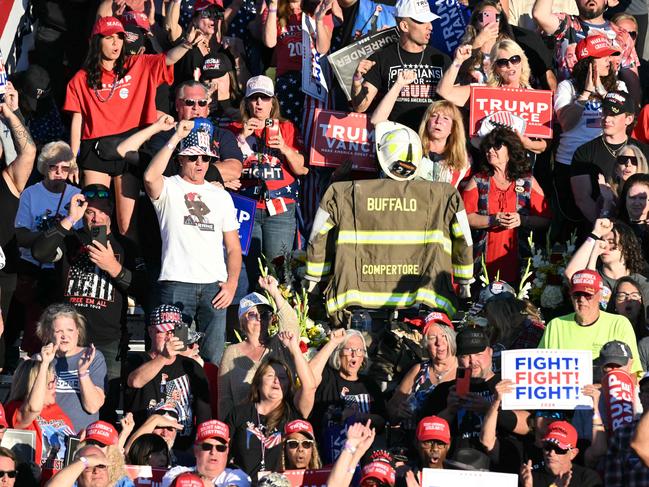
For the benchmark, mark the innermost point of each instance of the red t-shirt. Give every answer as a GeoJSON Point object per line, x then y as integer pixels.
{"type": "Point", "coordinates": [502, 244]}
{"type": "Point", "coordinates": [52, 428]}
{"type": "Point", "coordinates": [132, 104]}
{"type": "Point", "coordinates": [641, 130]}
{"type": "Point", "coordinates": [272, 168]}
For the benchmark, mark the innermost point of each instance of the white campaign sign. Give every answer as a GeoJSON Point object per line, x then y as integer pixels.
{"type": "Point", "coordinates": [432, 477]}
{"type": "Point", "coordinates": [314, 77]}
{"type": "Point", "coordinates": [547, 379]}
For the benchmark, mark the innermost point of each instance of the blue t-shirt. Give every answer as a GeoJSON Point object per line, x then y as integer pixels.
{"type": "Point", "coordinates": [68, 390]}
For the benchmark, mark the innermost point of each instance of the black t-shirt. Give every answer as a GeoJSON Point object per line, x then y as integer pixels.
{"type": "Point", "coordinates": [581, 476]}
{"type": "Point", "coordinates": [538, 55]}
{"type": "Point", "coordinates": [184, 68]}
{"type": "Point", "coordinates": [414, 98]}
{"type": "Point", "coordinates": [247, 428]}
{"type": "Point", "coordinates": [9, 205]}
{"type": "Point", "coordinates": [182, 383]}
{"type": "Point", "coordinates": [465, 429]}
{"type": "Point", "coordinates": [594, 158]}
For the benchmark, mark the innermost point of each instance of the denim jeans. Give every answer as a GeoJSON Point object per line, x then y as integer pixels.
{"type": "Point", "coordinates": [271, 235]}
{"type": "Point", "coordinates": [195, 301]}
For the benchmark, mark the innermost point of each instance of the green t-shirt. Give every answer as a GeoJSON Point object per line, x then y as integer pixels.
{"type": "Point", "coordinates": [564, 333]}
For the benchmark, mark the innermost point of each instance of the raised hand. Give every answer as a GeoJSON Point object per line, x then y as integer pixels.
{"type": "Point", "coordinates": [87, 356]}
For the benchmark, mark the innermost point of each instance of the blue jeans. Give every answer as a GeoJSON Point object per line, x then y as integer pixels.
{"type": "Point", "coordinates": [271, 235]}
{"type": "Point", "coordinates": [195, 301]}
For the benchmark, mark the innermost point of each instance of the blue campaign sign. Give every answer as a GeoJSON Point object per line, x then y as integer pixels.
{"type": "Point", "coordinates": [449, 28]}
{"type": "Point", "coordinates": [245, 208]}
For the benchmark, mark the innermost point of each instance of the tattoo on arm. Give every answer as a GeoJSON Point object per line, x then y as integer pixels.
{"type": "Point", "coordinates": [20, 134]}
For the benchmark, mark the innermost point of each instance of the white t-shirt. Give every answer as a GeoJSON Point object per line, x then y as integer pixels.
{"type": "Point", "coordinates": [588, 127]}
{"type": "Point", "coordinates": [37, 211]}
{"type": "Point", "coordinates": [229, 477]}
{"type": "Point", "coordinates": [192, 220]}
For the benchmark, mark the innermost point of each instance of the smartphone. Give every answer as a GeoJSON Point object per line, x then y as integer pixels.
{"type": "Point", "coordinates": [462, 381]}
{"type": "Point", "coordinates": [181, 332]}
{"type": "Point", "coordinates": [99, 234]}
{"type": "Point", "coordinates": [271, 127]}
{"type": "Point", "coordinates": [488, 18]}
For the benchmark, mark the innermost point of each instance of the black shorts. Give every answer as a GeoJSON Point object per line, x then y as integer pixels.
{"type": "Point", "coordinates": [101, 155]}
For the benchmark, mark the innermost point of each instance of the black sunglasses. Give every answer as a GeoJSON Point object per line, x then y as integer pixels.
{"type": "Point", "coordinates": [220, 447]}
{"type": "Point", "coordinates": [496, 146]}
{"type": "Point", "coordinates": [98, 193]}
{"type": "Point", "coordinates": [256, 96]}
{"type": "Point", "coordinates": [624, 160]}
{"type": "Point", "coordinates": [9, 473]}
{"type": "Point", "coordinates": [549, 447]}
{"type": "Point", "coordinates": [293, 444]}
{"type": "Point", "coordinates": [503, 62]}
{"type": "Point", "coordinates": [194, 158]}
{"type": "Point", "coordinates": [189, 102]}
{"type": "Point", "coordinates": [633, 34]}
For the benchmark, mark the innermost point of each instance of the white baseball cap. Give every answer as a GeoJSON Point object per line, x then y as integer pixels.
{"type": "Point", "coordinates": [250, 301]}
{"type": "Point", "coordinates": [260, 84]}
{"type": "Point", "coordinates": [418, 10]}
{"type": "Point", "coordinates": [398, 149]}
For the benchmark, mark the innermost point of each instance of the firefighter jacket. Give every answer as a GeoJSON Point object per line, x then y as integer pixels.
{"type": "Point", "coordinates": [385, 243]}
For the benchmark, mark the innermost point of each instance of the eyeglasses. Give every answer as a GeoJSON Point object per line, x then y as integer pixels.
{"type": "Point", "coordinates": [9, 473]}
{"type": "Point", "coordinates": [54, 167]}
{"type": "Point", "coordinates": [495, 146]}
{"type": "Point", "coordinates": [621, 297]}
{"type": "Point", "coordinates": [586, 296]}
{"type": "Point", "coordinates": [220, 447]}
{"type": "Point", "coordinates": [624, 160]}
{"type": "Point", "coordinates": [354, 351]}
{"type": "Point", "coordinates": [99, 193]}
{"type": "Point", "coordinates": [261, 96]}
{"type": "Point", "coordinates": [305, 444]}
{"type": "Point", "coordinates": [548, 448]}
{"type": "Point", "coordinates": [503, 62]}
{"type": "Point", "coordinates": [189, 102]}
{"type": "Point", "coordinates": [264, 315]}
{"type": "Point", "coordinates": [203, 158]}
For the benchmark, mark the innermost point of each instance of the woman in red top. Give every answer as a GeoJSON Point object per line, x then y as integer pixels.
{"type": "Point", "coordinates": [273, 161]}
{"type": "Point", "coordinates": [282, 30]}
{"type": "Point", "coordinates": [32, 406]}
{"type": "Point", "coordinates": [503, 202]}
{"type": "Point", "coordinates": [112, 96]}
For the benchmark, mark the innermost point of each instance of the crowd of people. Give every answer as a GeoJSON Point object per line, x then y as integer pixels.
{"type": "Point", "coordinates": [139, 125]}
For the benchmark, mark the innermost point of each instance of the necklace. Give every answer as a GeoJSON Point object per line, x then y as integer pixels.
{"type": "Point", "coordinates": [421, 59]}
{"type": "Point", "coordinates": [110, 95]}
{"type": "Point", "coordinates": [614, 152]}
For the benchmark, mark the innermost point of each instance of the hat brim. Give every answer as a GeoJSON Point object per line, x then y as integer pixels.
{"type": "Point", "coordinates": [603, 360]}
{"type": "Point", "coordinates": [255, 91]}
{"type": "Point", "coordinates": [455, 465]}
{"type": "Point", "coordinates": [583, 289]}
{"type": "Point", "coordinates": [99, 439]}
{"type": "Point", "coordinates": [427, 17]}
{"type": "Point", "coordinates": [243, 311]}
{"type": "Point", "coordinates": [111, 31]}
{"type": "Point", "coordinates": [196, 151]}
{"type": "Point", "coordinates": [606, 52]}
{"type": "Point", "coordinates": [446, 441]}
{"type": "Point", "coordinates": [306, 433]}
{"type": "Point", "coordinates": [554, 441]}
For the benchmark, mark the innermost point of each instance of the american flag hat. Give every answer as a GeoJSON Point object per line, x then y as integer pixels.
{"type": "Point", "coordinates": [165, 317]}
{"type": "Point", "coordinates": [199, 140]}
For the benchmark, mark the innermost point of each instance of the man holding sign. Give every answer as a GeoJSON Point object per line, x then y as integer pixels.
{"type": "Point", "coordinates": [589, 328]}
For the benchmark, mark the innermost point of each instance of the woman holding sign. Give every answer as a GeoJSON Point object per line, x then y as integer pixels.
{"type": "Point", "coordinates": [509, 69]}
{"type": "Point", "coordinates": [503, 203]}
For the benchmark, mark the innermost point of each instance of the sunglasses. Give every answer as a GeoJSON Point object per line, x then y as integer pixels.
{"type": "Point", "coordinates": [194, 158]}
{"type": "Point", "coordinates": [503, 62]}
{"type": "Point", "coordinates": [624, 160]}
{"type": "Point", "coordinates": [54, 167]}
{"type": "Point", "coordinates": [495, 146]}
{"type": "Point", "coordinates": [189, 102]}
{"type": "Point", "coordinates": [548, 448]}
{"type": "Point", "coordinates": [294, 444]}
{"type": "Point", "coordinates": [100, 193]}
{"type": "Point", "coordinates": [257, 96]}
{"type": "Point", "coordinates": [633, 34]}
{"type": "Point", "coordinates": [9, 473]}
{"type": "Point", "coordinates": [220, 447]}
{"type": "Point", "coordinates": [96, 468]}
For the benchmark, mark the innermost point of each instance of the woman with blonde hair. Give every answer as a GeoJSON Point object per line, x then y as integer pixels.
{"type": "Point", "coordinates": [32, 406]}
{"type": "Point", "coordinates": [630, 160]}
{"type": "Point", "coordinates": [81, 370]}
{"type": "Point", "coordinates": [510, 68]}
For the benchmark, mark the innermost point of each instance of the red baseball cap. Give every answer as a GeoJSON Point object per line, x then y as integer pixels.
{"type": "Point", "coordinates": [562, 434]}
{"type": "Point", "coordinates": [3, 417]}
{"type": "Point", "coordinates": [212, 428]}
{"type": "Point", "coordinates": [381, 471]}
{"type": "Point", "coordinates": [107, 26]}
{"type": "Point", "coordinates": [203, 4]}
{"type": "Point", "coordinates": [103, 432]}
{"type": "Point", "coordinates": [138, 19]}
{"type": "Point", "coordinates": [434, 428]}
{"type": "Point", "coordinates": [596, 46]}
{"type": "Point", "coordinates": [188, 479]}
{"type": "Point", "coordinates": [299, 426]}
{"type": "Point", "coordinates": [437, 317]}
{"type": "Point", "coordinates": [585, 281]}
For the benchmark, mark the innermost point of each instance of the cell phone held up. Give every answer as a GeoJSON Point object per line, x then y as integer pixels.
{"type": "Point", "coordinates": [462, 381]}
{"type": "Point", "coordinates": [98, 233]}
{"type": "Point", "coordinates": [271, 129]}
{"type": "Point", "coordinates": [182, 333]}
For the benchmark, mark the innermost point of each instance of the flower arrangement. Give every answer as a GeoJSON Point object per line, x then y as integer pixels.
{"type": "Point", "coordinates": [543, 280]}
{"type": "Point", "coordinates": [289, 270]}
